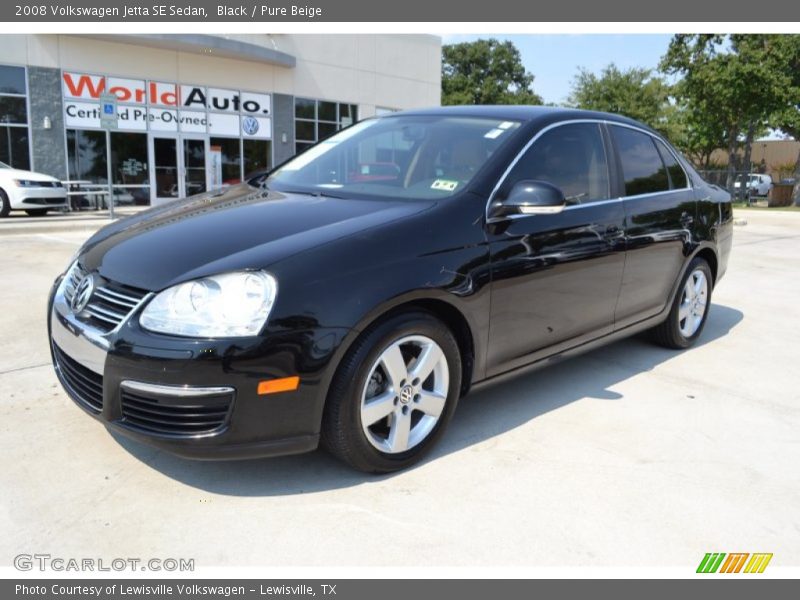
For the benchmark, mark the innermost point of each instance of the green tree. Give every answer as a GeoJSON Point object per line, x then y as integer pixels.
{"type": "Point", "coordinates": [733, 84]}
{"type": "Point", "coordinates": [696, 136]}
{"type": "Point", "coordinates": [635, 93]}
{"type": "Point", "coordinates": [485, 72]}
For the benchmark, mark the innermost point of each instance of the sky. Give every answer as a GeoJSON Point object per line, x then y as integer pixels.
{"type": "Point", "coordinates": [554, 59]}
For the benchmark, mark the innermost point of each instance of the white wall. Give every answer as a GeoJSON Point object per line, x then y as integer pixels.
{"type": "Point", "coordinates": [393, 71]}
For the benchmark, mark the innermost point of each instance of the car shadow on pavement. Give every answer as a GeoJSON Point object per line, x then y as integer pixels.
{"type": "Point", "coordinates": [481, 415]}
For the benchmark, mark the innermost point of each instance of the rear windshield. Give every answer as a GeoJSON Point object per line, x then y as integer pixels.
{"type": "Point", "coordinates": [405, 157]}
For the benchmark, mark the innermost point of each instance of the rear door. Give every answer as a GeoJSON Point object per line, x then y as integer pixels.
{"type": "Point", "coordinates": [556, 277]}
{"type": "Point", "coordinates": [660, 208]}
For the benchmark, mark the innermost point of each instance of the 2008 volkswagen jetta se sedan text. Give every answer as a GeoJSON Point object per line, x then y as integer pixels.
{"type": "Point", "coordinates": [351, 296]}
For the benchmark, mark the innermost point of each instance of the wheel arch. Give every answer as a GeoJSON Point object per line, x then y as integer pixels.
{"type": "Point", "coordinates": [445, 311]}
{"type": "Point", "coordinates": [455, 320]}
{"type": "Point", "coordinates": [708, 254]}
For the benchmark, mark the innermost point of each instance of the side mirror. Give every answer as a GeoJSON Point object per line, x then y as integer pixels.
{"type": "Point", "coordinates": [530, 197]}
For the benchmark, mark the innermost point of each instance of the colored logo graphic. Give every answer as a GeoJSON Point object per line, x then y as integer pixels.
{"type": "Point", "coordinates": [250, 125]}
{"type": "Point", "coordinates": [737, 562]}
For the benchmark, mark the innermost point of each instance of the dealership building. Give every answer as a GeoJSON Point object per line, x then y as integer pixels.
{"type": "Point", "coordinates": [157, 117]}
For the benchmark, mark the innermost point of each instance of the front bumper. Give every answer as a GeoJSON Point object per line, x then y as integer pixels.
{"type": "Point", "coordinates": [32, 198]}
{"type": "Point", "coordinates": [195, 398]}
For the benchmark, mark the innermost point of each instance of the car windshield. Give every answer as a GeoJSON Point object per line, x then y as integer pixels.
{"type": "Point", "coordinates": [398, 157]}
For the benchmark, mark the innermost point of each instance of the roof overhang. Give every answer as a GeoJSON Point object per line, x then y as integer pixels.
{"type": "Point", "coordinates": [205, 45]}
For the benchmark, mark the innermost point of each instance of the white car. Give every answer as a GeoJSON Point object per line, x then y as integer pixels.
{"type": "Point", "coordinates": [35, 193]}
{"type": "Point", "coordinates": [758, 184]}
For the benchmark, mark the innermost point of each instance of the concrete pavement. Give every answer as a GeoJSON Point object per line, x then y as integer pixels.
{"type": "Point", "coordinates": [630, 455]}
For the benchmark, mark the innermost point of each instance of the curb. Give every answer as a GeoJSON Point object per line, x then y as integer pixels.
{"type": "Point", "coordinates": [85, 223]}
{"type": "Point", "coordinates": [43, 230]}
{"type": "Point", "coordinates": [35, 228]}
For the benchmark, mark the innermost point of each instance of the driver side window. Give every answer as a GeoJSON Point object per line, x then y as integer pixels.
{"type": "Point", "coordinates": [570, 157]}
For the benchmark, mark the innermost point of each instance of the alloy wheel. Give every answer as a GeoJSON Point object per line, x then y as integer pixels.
{"type": "Point", "coordinates": [405, 394]}
{"type": "Point", "coordinates": [693, 303]}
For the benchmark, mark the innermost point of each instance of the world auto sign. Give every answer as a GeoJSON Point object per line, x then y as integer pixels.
{"type": "Point", "coordinates": [169, 107]}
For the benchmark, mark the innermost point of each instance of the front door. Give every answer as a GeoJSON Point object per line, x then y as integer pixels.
{"type": "Point", "coordinates": [556, 277]}
{"type": "Point", "coordinates": [178, 167]}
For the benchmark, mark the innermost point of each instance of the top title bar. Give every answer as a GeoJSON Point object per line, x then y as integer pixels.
{"type": "Point", "coordinates": [198, 11]}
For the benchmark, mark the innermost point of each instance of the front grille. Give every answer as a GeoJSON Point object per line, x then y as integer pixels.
{"type": "Point", "coordinates": [82, 384]}
{"type": "Point", "coordinates": [47, 184]}
{"type": "Point", "coordinates": [171, 415]}
{"type": "Point", "coordinates": [46, 201]}
{"type": "Point", "coordinates": [110, 304]}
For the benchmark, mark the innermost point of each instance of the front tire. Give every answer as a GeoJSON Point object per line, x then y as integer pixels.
{"type": "Point", "coordinates": [689, 312]}
{"type": "Point", "coordinates": [5, 205]}
{"type": "Point", "coordinates": [393, 394]}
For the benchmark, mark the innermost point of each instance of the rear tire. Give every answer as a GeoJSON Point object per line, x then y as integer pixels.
{"type": "Point", "coordinates": [393, 394]}
{"type": "Point", "coordinates": [36, 212]}
{"type": "Point", "coordinates": [689, 312]}
{"type": "Point", "coordinates": [5, 206]}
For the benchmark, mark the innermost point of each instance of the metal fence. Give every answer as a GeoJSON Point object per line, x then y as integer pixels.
{"type": "Point", "coordinates": [739, 188]}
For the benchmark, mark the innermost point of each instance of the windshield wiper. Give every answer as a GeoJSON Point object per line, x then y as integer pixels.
{"type": "Point", "coordinates": [316, 194]}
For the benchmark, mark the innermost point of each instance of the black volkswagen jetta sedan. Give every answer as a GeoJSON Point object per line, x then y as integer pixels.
{"type": "Point", "coordinates": [351, 296]}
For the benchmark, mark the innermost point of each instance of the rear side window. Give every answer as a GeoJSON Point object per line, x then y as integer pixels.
{"type": "Point", "coordinates": [677, 176]}
{"type": "Point", "coordinates": [571, 157]}
{"type": "Point", "coordinates": [642, 167]}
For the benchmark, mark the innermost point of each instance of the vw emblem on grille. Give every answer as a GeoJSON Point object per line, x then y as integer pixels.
{"type": "Point", "coordinates": [83, 293]}
{"type": "Point", "coordinates": [250, 125]}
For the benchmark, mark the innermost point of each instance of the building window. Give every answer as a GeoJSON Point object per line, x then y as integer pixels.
{"type": "Point", "coordinates": [305, 109]}
{"type": "Point", "coordinates": [231, 158]}
{"type": "Point", "coordinates": [257, 155]}
{"type": "Point", "coordinates": [87, 155]}
{"type": "Point", "coordinates": [316, 120]}
{"type": "Point", "coordinates": [14, 134]}
{"type": "Point", "coordinates": [165, 167]}
{"type": "Point", "coordinates": [129, 168]}
{"type": "Point", "coordinates": [12, 80]}
{"type": "Point", "coordinates": [194, 166]}
{"type": "Point", "coordinates": [13, 110]}
{"type": "Point", "coordinates": [14, 148]}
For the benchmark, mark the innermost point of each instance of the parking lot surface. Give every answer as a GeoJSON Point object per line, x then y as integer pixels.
{"type": "Point", "coordinates": [631, 455]}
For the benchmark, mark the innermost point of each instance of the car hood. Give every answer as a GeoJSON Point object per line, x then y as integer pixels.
{"type": "Point", "coordinates": [22, 174]}
{"type": "Point", "coordinates": [239, 228]}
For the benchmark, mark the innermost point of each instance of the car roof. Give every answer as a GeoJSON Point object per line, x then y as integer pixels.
{"type": "Point", "coordinates": [526, 113]}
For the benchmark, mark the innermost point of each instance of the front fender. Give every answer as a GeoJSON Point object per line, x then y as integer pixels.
{"type": "Point", "coordinates": [441, 256]}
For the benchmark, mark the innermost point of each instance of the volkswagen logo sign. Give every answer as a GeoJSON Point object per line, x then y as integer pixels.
{"type": "Point", "coordinates": [250, 125]}
{"type": "Point", "coordinates": [83, 293]}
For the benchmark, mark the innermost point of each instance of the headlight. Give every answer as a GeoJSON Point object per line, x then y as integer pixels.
{"type": "Point", "coordinates": [228, 305]}
{"type": "Point", "coordinates": [27, 183]}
